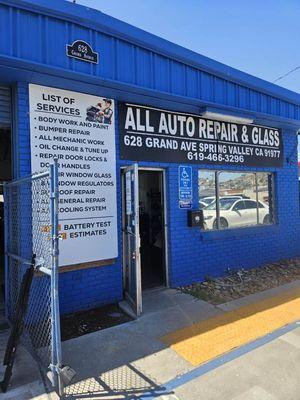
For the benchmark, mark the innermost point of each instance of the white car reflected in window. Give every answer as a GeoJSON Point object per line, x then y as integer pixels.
{"type": "Point", "coordinates": [236, 213]}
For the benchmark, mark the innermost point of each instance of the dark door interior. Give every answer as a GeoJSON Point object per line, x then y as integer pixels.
{"type": "Point", "coordinates": [151, 216]}
{"type": "Point", "coordinates": [5, 175]}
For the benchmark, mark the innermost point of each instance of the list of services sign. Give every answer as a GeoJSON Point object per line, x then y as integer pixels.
{"type": "Point", "coordinates": [79, 130]}
{"type": "Point", "coordinates": [154, 134]}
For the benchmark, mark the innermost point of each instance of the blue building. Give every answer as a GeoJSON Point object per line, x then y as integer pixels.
{"type": "Point", "coordinates": [190, 134]}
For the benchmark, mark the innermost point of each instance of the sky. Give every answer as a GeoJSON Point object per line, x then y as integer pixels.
{"type": "Point", "coordinates": [261, 37]}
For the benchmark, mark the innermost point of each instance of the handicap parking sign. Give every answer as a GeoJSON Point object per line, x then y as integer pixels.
{"type": "Point", "coordinates": [185, 183]}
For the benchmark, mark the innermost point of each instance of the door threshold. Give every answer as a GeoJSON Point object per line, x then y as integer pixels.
{"type": "Point", "coordinates": [155, 289]}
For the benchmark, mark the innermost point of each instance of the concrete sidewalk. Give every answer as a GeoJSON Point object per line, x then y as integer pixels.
{"type": "Point", "coordinates": [130, 361]}
{"type": "Point", "coordinates": [270, 372]}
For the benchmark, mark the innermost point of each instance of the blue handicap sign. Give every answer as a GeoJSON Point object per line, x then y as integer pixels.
{"type": "Point", "coordinates": [185, 183]}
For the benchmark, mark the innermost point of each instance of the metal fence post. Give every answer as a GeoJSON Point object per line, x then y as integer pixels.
{"type": "Point", "coordinates": [56, 337]}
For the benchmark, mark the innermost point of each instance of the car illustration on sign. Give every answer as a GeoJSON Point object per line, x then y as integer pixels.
{"type": "Point", "coordinates": [101, 112]}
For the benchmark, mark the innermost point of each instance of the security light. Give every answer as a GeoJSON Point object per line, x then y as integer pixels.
{"type": "Point", "coordinates": [216, 114]}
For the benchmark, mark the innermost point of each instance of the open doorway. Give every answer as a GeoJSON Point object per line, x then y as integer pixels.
{"type": "Point", "coordinates": [144, 234]}
{"type": "Point", "coordinates": [152, 228]}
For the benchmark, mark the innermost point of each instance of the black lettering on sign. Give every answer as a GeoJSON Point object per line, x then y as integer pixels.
{"type": "Point", "coordinates": [151, 134]}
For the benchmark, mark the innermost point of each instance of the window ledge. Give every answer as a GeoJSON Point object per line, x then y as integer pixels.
{"type": "Point", "coordinates": [238, 232]}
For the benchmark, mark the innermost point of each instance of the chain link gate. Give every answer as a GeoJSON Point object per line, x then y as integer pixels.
{"type": "Point", "coordinates": [31, 233]}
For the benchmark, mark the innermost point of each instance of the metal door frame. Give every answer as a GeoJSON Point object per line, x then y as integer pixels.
{"type": "Point", "coordinates": [136, 304]}
{"type": "Point", "coordinates": [166, 239]}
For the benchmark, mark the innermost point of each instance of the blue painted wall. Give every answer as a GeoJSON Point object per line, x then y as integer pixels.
{"type": "Point", "coordinates": [129, 56]}
{"type": "Point", "coordinates": [136, 66]}
{"type": "Point", "coordinates": [192, 254]}
{"type": "Point", "coordinates": [195, 255]}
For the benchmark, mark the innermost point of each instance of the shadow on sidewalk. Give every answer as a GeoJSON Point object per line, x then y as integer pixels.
{"type": "Point", "coordinates": [124, 382]}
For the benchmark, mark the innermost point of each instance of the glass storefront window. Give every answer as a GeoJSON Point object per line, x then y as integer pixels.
{"type": "Point", "coordinates": [235, 199]}
{"type": "Point", "coordinates": [207, 188]}
{"type": "Point", "coordinates": [265, 196]}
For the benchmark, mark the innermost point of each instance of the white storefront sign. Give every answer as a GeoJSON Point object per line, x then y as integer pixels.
{"type": "Point", "coordinates": [79, 130]}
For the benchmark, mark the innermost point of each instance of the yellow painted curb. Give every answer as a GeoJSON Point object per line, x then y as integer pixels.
{"type": "Point", "coordinates": [205, 340]}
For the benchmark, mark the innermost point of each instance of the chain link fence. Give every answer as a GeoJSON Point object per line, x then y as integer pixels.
{"type": "Point", "coordinates": [31, 233]}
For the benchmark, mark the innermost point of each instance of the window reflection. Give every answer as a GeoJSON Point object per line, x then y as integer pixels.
{"type": "Point", "coordinates": [207, 188]}
{"type": "Point", "coordinates": [235, 199]}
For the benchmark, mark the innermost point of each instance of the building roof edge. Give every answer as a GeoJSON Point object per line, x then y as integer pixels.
{"type": "Point", "coordinates": [95, 19]}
